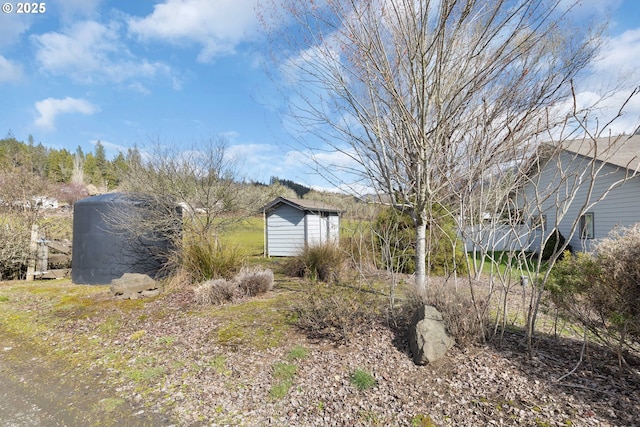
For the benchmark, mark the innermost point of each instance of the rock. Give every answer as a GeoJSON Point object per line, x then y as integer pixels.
{"type": "Point", "coordinates": [428, 339]}
{"type": "Point", "coordinates": [133, 286]}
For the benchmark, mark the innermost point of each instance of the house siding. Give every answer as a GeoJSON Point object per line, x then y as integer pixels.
{"type": "Point", "coordinates": [285, 231]}
{"type": "Point", "coordinates": [621, 207]}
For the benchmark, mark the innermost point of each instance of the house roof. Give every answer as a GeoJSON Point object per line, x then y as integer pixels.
{"type": "Point", "coordinates": [622, 151]}
{"type": "Point", "coordinates": [303, 205]}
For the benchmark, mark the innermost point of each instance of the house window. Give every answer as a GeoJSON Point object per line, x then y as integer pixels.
{"type": "Point", "coordinates": [539, 221]}
{"type": "Point", "coordinates": [586, 226]}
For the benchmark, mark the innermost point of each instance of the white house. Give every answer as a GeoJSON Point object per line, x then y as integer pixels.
{"type": "Point", "coordinates": [293, 224]}
{"type": "Point", "coordinates": [567, 191]}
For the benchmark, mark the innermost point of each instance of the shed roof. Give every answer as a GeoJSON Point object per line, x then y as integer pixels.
{"type": "Point", "coordinates": [622, 151]}
{"type": "Point", "coordinates": [303, 205]}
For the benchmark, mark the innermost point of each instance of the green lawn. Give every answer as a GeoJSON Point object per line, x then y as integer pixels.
{"type": "Point", "coordinates": [247, 235]}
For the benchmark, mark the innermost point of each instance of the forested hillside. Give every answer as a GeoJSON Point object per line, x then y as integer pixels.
{"type": "Point", "coordinates": [61, 165]}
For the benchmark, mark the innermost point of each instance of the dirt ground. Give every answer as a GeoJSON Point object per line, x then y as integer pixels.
{"type": "Point", "coordinates": [166, 361]}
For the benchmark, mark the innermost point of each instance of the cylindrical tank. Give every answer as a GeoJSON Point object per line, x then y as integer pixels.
{"type": "Point", "coordinates": [114, 234]}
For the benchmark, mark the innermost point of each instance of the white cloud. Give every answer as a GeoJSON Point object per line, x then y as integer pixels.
{"type": "Point", "coordinates": [90, 51]}
{"type": "Point", "coordinates": [585, 9]}
{"type": "Point", "coordinates": [50, 108]}
{"type": "Point", "coordinates": [217, 26]}
{"type": "Point", "coordinates": [12, 26]}
{"type": "Point", "coordinates": [70, 9]}
{"type": "Point", "coordinates": [614, 74]}
{"type": "Point", "coordinates": [9, 71]}
{"type": "Point", "coordinates": [139, 87]}
{"type": "Point", "coordinates": [619, 57]}
{"type": "Point", "coordinates": [230, 135]}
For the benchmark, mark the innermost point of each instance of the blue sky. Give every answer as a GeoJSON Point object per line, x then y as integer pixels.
{"type": "Point", "coordinates": [186, 71]}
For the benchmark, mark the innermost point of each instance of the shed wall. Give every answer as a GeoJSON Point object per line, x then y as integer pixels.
{"type": "Point", "coordinates": [285, 231]}
{"type": "Point", "coordinates": [316, 229]}
{"type": "Point", "coordinates": [334, 228]}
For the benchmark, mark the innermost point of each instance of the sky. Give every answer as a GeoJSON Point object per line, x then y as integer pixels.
{"type": "Point", "coordinates": [183, 72]}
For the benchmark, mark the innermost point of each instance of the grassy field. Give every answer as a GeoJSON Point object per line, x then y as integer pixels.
{"type": "Point", "coordinates": [247, 235]}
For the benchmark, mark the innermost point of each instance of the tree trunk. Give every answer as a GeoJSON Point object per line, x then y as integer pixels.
{"type": "Point", "coordinates": [421, 245]}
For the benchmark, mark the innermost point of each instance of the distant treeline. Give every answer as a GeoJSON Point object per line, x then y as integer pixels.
{"type": "Point", "coordinates": [61, 165]}
{"type": "Point", "coordinates": [299, 189]}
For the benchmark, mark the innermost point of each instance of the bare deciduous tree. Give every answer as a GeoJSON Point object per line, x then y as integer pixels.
{"type": "Point", "coordinates": [203, 182]}
{"type": "Point", "coordinates": [426, 97]}
{"type": "Point", "coordinates": [512, 218]}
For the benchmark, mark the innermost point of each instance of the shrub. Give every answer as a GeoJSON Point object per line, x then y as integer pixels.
{"type": "Point", "coordinates": [602, 291]}
{"type": "Point", "coordinates": [396, 246]}
{"type": "Point", "coordinates": [319, 262]}
{"type": "Point", "coordinates": [338, 312]}
{"type": "Point", "coordinates": [358, 242]}
{"type": "Point", "coordinates": [255, 281]}
{"type": "Point", "coordinates": [15, 238]}
{"type": "Point", "coordinates": [464, 321]}
{"type": "Point", "coordinates": [554, 244]}
{"type": "Point", "coordinates": [395, 240]}
{"type": "Point", "coordinates": [572, 276]}
{"type": "Point", "coordinates": [618, 256]}
{"type": "Point", "coordinates": [217, 291]}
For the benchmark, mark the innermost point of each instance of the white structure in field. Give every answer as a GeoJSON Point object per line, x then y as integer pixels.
{"type": "Point", "coordinates": [293, 224]}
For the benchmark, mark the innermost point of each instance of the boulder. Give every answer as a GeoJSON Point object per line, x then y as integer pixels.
{"type": "Point", "coordinates": [133, 286]}
{"type": "Point", "coordinates": [428, 339]}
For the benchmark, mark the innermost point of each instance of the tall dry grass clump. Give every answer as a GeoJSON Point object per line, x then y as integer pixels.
{"type": "Point", "coordinates": [217, 291]}
{"type": "Point", "coordinates": [204, 258]}
{"type": "Point", "coordinates": [318, 262]}
{"type": "Point", "coordinates": [465, 321]}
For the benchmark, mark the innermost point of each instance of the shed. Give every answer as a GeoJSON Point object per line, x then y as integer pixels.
{"type": "Point", "coordinates": [293, 224]}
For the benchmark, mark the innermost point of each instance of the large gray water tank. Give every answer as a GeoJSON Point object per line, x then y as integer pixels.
{"type": "Point", "coordinates": [103, 251]}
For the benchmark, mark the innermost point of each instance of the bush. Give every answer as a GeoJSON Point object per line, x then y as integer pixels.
{"type": "Point", "coordinates": [249, 282]}
{"type": "Point", "coordinates": [15, 238]}
{"type": "Point", "coordinates": [217, 291]}
{"type": "Point", "coordinates": [338, 312]}
{"type": "Point", "coordinates": [395, 240]}
{"type": "Point", "coordinates": [255, 281]}
{"type": "Point", "coordinates": [463, 321]}
{"type": "Point", "coordinates": [396, 243]}
{"type": "Point", "coordinates": [602, 291]}
{"type": "Point", "coordinates": [554, 244]}
{"type": "Point", "coordinates": [357, 242]}
{"type": "Point", "coordinates": [319, 262]}
{"type": "Point", "coordinates": [618, 256]}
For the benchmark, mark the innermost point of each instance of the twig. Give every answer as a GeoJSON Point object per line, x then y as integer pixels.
{"type": "Point", "coordinates": [584, 345]}
{"type": "Point", "coordinates": [581, 387]}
